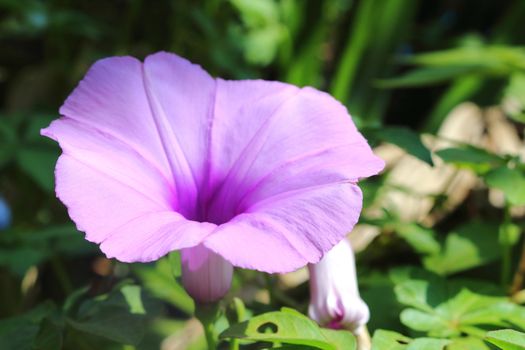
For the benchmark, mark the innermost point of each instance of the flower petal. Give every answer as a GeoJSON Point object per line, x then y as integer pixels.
{"type": "Point", "coordinates": [289, 230]}
{"type": "Point", "coordinates": [117, 196]}
{"type": "Point", "coordinates": [160, 108]}
{"type": "Point", "coordinates": [151, 236]}
{"type": "Point", "coordinates": [298, 138]}
{"type": "Point", "coordinates": [111, 99]}
{"type": "Point", "coordinates": [181, 96]}
{"type": "Point", "coordinates": [130, 225]}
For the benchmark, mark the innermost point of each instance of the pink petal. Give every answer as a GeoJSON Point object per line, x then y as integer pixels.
{"type": "Point", "coordinates": [289, 230]}
{"type": "Point", "coordinates": [130, 225]}
{"type": "Point", "coordinates": [115, 175]}
{"type": "Point", "coordinates": [111, 99]}
{"type": "Point", "coordinates": [151, 236]}
{"type": "Point", "coordinates": [160, 108]}
{"type": "Point", "coordinates": [181, 96]}
{"type": "Point", "coordinates": [297, 138]}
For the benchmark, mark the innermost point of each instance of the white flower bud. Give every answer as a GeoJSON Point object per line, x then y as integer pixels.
{"type": "Point", "coordinates": [334, 295]}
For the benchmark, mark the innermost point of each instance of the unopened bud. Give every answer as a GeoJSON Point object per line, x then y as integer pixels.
{"type": "Point", "coordinates": [334, 295]}
{"type": "Point", "coordinates": [206, 276]}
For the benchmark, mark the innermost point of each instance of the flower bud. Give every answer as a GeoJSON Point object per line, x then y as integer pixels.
{"type": "Point", "coordinates": [334, 296]}
{"type": "Point", "coordinates": [206, 276]}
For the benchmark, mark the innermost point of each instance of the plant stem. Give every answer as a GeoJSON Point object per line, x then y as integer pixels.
{"type": "Point", "coordinates": [519, 276]}
{"type": "Point", "coordinates": [208, 314]}
{"type": "Point", "coordinates": [364, 342]}
{"type": "Point", "coordinates": [234, 344]}
{"type": "Point", "coordinates": [506, 264]}
{"type": "Point", "coordinates": [61, 274]}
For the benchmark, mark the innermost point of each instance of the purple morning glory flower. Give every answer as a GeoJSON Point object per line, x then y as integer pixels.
{"type": "Point", "coordinates": [159, 156]}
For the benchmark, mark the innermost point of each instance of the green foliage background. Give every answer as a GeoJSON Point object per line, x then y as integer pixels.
{"type": "Point", "coordinates": [400, 66]}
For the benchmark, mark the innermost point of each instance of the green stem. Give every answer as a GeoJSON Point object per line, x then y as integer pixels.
{"type": "Point", "coordinates": [208, 314]}
{"type": "Point", "coordinates": [519, 276]}
{"type": "Point", "coordinates": [240, 315]}
{"type": "Point", "coordinates": [61, 274]}
{"type": "Point", "coordinates": [506, 264]}
{"type": "Point", "coordinates": [234, 344]}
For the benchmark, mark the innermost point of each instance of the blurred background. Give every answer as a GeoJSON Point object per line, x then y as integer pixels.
{"type": "Point", "coordinates": [438, 87]}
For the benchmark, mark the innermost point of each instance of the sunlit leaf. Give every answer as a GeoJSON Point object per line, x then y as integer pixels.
{"type": "Point", "coordinates": [422, 239]}
{"type": "Point", "coordinates": [464, 343]}
{"type": "Point", "coordinates": [470, 245]}
{"type": "Point", "coordinates": [507, 339]}
{"type": "Point", "coordinates": [159, 280]}
{"type": "Point", "coordinates": [388, 340]}
{"type": "Point", "coordinates": [510, 181]}
{"type": "Point", "coordinates": [470, 157]}
{"type": "Point", "coordinates": [490, 58]}
{"type": "Point", "coordinates": [427, 76]}
{"type": "Point", "coordinates": [404, 138]}
{"type": "Point", "coordinates": [514, 97]}
{"type": "Point", "coordinates": [290, 327]}
{"type": "Point", "coordinates": [509, 233]}
{"type": "Point", "coordinates": [449, 308]}
{"type": "Point", "coordinates": [133, 298]}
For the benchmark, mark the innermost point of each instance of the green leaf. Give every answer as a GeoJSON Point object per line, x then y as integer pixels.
{"type": "Point", "coordinates": [39, 163]}
{"type": "Point", "coordinates": [117, 316]}
{"type": "Point", "coordinates": [175, 263]}
{"type": "Point", "coordinates": [468, 246]}
{"type": "Point", "coordinates": [428, 344]}
{"type": "Point", "coordinates": [473, 62]}
{"type": "Point", "coordinates": [263, 30]}
{"type": "Point", "coordinates": [509, 233]}
{"type": "Point", "coordinates": [490, 59]}
{"type": "Point", "coordinates": [63, 239]}
{"type": "Point", "coordinates": [113, 323]}
{"type": "Point", "coordinates": [459, 91]}
{"type": "Point", "coordinates": [290, 327]}
{"type": "Point", "coordinates": [49, 336]}
{"type": "Point", "coordinates": [20, 259]}
{"type": "Point", "coordinates": [422, 321]}
{"type": "Point", "coordinates": [388, 340]}
{"type": "Point", "coordinates": [470, 157]}
{"type": "Point", "coordinates": [8, 142]}
{"type": "Point", "coordinates": [427, 76]}
{"type": "Point", "coordinates": [510, 181]}
{"type": "Point", "coordinates": [159, 281]}
{"type": "Point", "coordinates": [470, 343]}
{"type": "Point", "coordinates": [422, 239]}
{"type": "Point", "coordinates": [23, 249]}
{"type": "Point", "coordinates": [416, 293]}
{"type": "Point", "coordinates": [403, 138]}
{"type": "Point", "coordinates": [448, 308]}
{"type": "Point", "coordinates": [507, 339]}
{"type": "Point", "coordinates": [133, 298]}
{"type": "Point", "coordinates": [20, 331]}
{"type": "Point", "coordinates": [514, 97]}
